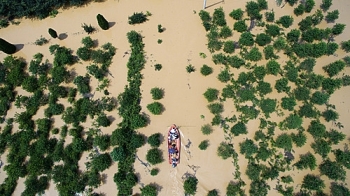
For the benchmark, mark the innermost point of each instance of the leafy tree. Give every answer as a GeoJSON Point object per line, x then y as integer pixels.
{"type": "Point", "coordinates": [154, 156]}
{"type": "Point", "coordinates": [345, 45]}
{"type": "Point", "coordinates": [157, 93]}
{"type": "Point", "coordinates": [101, 162]}
{"type": "Point", "coordinates": [330, 85]}
{"type": "Point", "coordinates": [264, 88]}
{"type": "Point", "coordinates": [308, 110]}
{"type": "Point", "coordinates": [305, 23]}
{"type": "Point", "coordinates": [286, 21]}
{"type": "Point", "coordinates": [284, 141]}
{"type": "Point", "coordinates": [102, 120]}
{"type": "Point", "coordinates": [155, 108]}
{"type": "Point", "coordinates": [216, 108]}
{"type": "Point", "coordinates": [316, 129]}
{"type": "Point", "coordinates": [259, 72]}
{"type": "Point", "coordinates": [53, 33]}
{"type": "Point", "coordinates": [234, 189]}
{"type": "Point", "coordinates": [332, 170]}
{"type": "Point", "coordinates": [82, 84]}
{"type": "Point", "coordinates": [335, 136]}
{"type": "Point", "coordinates": [213, 193]}
{"type": "Point", "coordinates": [154, 171]}
{"type": "Point", "coordinates": [7, 47]}
{"type": "Point", "coordinates": [253, 171]}
{"type": "Point", "coordinates": [248, 148]}
{"type": "Point", "coordinates": [312, 182]}
{"type": "Point", "coordinates": [253, 9]}
{"type": "Point", "coordinates": [269, 53]}
{"type": "Point", "coordinates": [154, 140]}
{"type": "Point", "coordinates": [205, 16]}
{"type": "Point", "coordinates": [308, 64]}
{"type": "Point", "coordinates": [293, 121]}
{"type": "Point", "coordinates": [262, 39]}
{"type": "Point", "coordinates": [137, 18]}
{"type": "Point", "coordinates": [84, 53]}
{"type": "Point", "coordinates": [319, 98]}
{"type": "Point", "coordinates": [288, 103]}
{"type": "Point", "coordinates": [224, 76]}
{"type": "Point", "coordinates": [240, 26]}
{"type": "Point", "coordinates": [211, 94]}
{"type": "Point", "coordinates": [119, 153]}
{"type": "Point", "coordinates": [273, 67]}
{"type": "Point", "coordinates": [225, 150]}
{"type": "Point", "coordinates": [299, 10]}
{"type": "Point", "coordinates": [102, 141]}
{"type": "Point", "coordinates": [219, 17]}
{"type": "Point", "coordinates": [149, 190]}
{"type": "Point", "coordinates": [338, 29]}
{"type": "Point", "coordinates": [203, 145]}
{"type": "Point", "coordinates": [299, 139]}
{"type": "Point", "coordinates": [332, 16]}
{"type": "Point", "coordinates": [246, 39]}
{"type": "Point", "coordinates": [306, 161]}
{"type": "Point", "coordinates": [258, 187]}
{"type": "Point", "coordinates": [262, 4]}
{"type": "Point", "coordinates": [292, 2]}
{"type": "Point", "coordinates": [270, 16]}
{"type": "Point", "coordinates": [272, 30]}
{"type": "Point", "coordinates": [235, 61]}
{"type": "Point", "coordinates": [321, 147]}
{"type": "Point", "coordinates": [190, 185]}
{"type": "Point", "coordinates": [225, 32]}
{"type": "Point", "coordinates": [88, 42]}
{"type": "Point", "coordinates": [339, 189]}
{"type": "Point", "coordinates": [309, 4]}
{"type": "Point", "coordinates": [293, 35]}
{"type": "Point", "coordinates": [334, 68]}
{"type": "Point", "coordinates": [236, 14]}
{"type": "Point", "coordinates": [229, 46]}
{"type": "Point", "coordinates": [30, 84]}
{"type": "Point", "coordinates": [326, 4]}
{"type": "Point", "coordinates": [102, 22]}
{"type": "Point", "coordinates": [330, 115]}
{"type": "Point", "coordinates": [239, 128]}
{"type": "Point", "coordinates": [206, 129]}
{"type": "Point", "coordinates": [254, 55]}
{"type": "Point", "coordinates": [268, 106]}
{"type": "Point", "coordinates": [206, 70]}
{"type": "Point", "coordinates": [302, 93]}
{"type": "Point", "coordinates": [342, 157]}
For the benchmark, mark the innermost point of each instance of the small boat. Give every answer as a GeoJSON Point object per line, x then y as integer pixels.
{"type": "Point", "coordinates": [174, 145]}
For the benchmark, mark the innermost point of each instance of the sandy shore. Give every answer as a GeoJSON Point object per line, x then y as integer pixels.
{"type": "Point", "coordinates": [183, 40]}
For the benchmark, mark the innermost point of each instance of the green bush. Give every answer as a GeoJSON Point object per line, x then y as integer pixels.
{"type": "Point", "coordinates": [345, 45]}
{"type": "Point", "coordinates": [286, 21]}
{"type": "Point", "coordinates": [272, 30]}
{"type": "Point", "coordinates": [262, 39]}
{"type": "Point", "coordinates": [102, 141]}
{"type": "Point", "coordinates": [225, 32]}
{"type": "Point", "coordinates": [332, 170]}
{"type": "Point", "coordinates": [270, 16]}
{"type": "Point", "coordinates": [154, 140]}
{"type": "Point", "coordinates": [316, 129]}
{"type": "Point", "coordinates": [273, 67]}
{"type": "Point", "coordinates": [224, 76]}
{"type": "Point", "coordinates": [253, 9]}
{"type": "Point", "coordinates": [264, 88]}
{"type": "Point", "coordinates": [338, 29]}
{"type": "Point", "coordinates": [334, 68]}
{"type": "Point", "coordinates": [190, 69]}
{"type": "Point", "coordinates": [205, 16]}
{"type": "Point", "coordinates": [326, 4]}
{"type": "Point", "coordinates": [88, 42]}
{"type": "Point", "coordinates": [157, 93]}
{"type": "Point", "coordinates": [299, 10]}
{"type": "Point", "coordinates": [102, 22]}
{"type": "Point", "coordinates": [225, 150]}
{"type": "Point", "coordinates": [119, 153]}
{"type": "Point", "coordinates": [302, 93]}
{"type": "Point", "coordinates": [332, 16]}
{"type": "Point", "coordinates": [339, 189]}
{"type": "Point", "coordinates": [240, 26]}
{"type": "Point", "coordinates": [229, 46]}
{"type": "Point", "coordinates": [206, 70]}
{"type": "Point", "coordinates": [308, 64]}
{"type": "Point", "coordinates": [154, 156]}
{"type": "Point", "coordinates": [101, 162]}
{"type": "Point", "coordinates": [254, 55]}
{"type": "Point", "coordinates": [312, 182]}
{"type": "Point", "coordinates": [246, 39]}
{"type": "Point", "coordinates": [155, 108]}
{"type": "Point", "coordinates": [216, 108]}
{"type": "Point", "coordinates": [239, 128]}
{"type": "Point", "coordinates": [319, 98]}
{"type": "Point", "coordinates": [211, 94]}
{"type": "Point", "coordinates": [82, 84]}
{"type": "Point", "coordinates": [280, 44]}
{"type": "Point", "coordinates": [149, 190]}
{"type": "Point", "coordinates": [306, 161]}
{"type": "Point", "coordinates": [259, 72]}
{"type": "Point", "coordinates": [154, 171]}
{"type": "Point", "coordinates": [309, 5]}
{"type": "Point", "coordinates": [335, 136]}
{"type": "Point", "coordinates": [321, 147]}
{"type": "Point", "coordinates": [213, 193]}
{"type": "Point", "coordinates": [284, 141]}
{"type": "Point", "coordinates": [293, 35]}
{"type": "Point", "coordinates": [6, 47]}
{"type": "Point", "coordinates": [137, 18]}
{"type": "Point", "coordinates": [288, 103]}
{"type": "Point", "coordinates": [30, 84]}
{"type": "Point", "coordinates": [293, 121]}
{"type": "Point", "coordinates": [299, 139]}
{"type": "Point", "coordinates": [269, 53]}
{"type": "Point", "coordinates": [330, 85]}
{"type": "Point", "coordinates": [248, 148]}
{"type": "Point", "coordinates": [268, 106]}
{"type": "Point", "coordinates": [190, 185]}
{"type": "Point", "coordinates": [219, 17]}
{"type": "Point", "coordinates": [332, 48]}
{"type": "Point", "coordinates": [102, 120]}
{"type": "Point", "coordinates": [330, 115]}
{"type": "Point", "coordinates": [236, 14]}
{"type": "Point", "coordinates": [207, 129]}
{"type": "Point", "coordinates": [157, 67]}
{"type": "Point", "coordinates": [88, 28]}
{"type": "Point", "coordinates": [203, 145]}
{"type": "Point", "coordinates": [308, 110]}
{"type": "Point", "coordinates": [84, 53]}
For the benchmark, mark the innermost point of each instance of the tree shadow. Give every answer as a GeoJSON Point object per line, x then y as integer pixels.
{"type": "Point", "coordinates": [161, 138]}
{"type": "Point", "coordinates": [111, 119]}
{"type": "Point", "coordinates": [111, 24]}
{"type": "Point", "coordinates": [62, 36]}
{"type": "Point", "coordinates": [19, 47]}
{"type": "Point", "coordinates": [213, 4]}
{"type": "Point", "coordinates": [95, 43]}
{"type": "Point", "coordinates": [159, 188]}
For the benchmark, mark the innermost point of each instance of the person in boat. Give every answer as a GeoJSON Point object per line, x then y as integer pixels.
{"type": "Point", "coordinates": [174, 159]}
{"type": "Point", "coordinates": [173, 135]}
{"type": "Point", "coordinates": [172, 149]}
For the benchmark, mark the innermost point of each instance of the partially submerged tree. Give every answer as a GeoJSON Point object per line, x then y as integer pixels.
{"type": "Point", "coordinates": [53, 33]}
{"type": "Point", "coordinates": [6, 47]}
{"type": "Point", "coordinates": [102, 22]}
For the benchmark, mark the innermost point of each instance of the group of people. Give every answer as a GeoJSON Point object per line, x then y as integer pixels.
{"type": "Point", "coordinates": [174, 154]}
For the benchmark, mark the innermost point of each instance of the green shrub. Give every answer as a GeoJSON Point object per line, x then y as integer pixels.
{"type": "Point", "coordinates": [101, 162]}
{"type": "Point", "coordinates": [205, 16]}
{"type": "Point", "coordinates": [84, 53]}
{"type": "Point", "coordinates": [345, 45]}
{"type": "Point", "coordinates": [157, 67]}
{"type": "Point", "coordinates": [236, 14]}
{"type": "Point", "coordinates": [321, 147]}
{"type": "Point", "coordinates": [190, 185]}
{"type": "Point", "coordinates": [239, 128]}
{"type": "Point", "coordinates": [332, 48]}
{"type": "Point", "coordinates": [6, 47]}
{"type": "Point", "coordinates": [219, 17]}
{"type": "Point", "coordinates": [306, 161]}
{"type": "Point", "coordinates": [248, 148]}
{"type": "Point", "coordinates": [211, 94]}
{"type": "Point", "coordinates": [118, 153]}
{"type": "Point", "coordinates": [225, 150]}
{"type": "Point", "coordinates": [88, 28]}
{"type": "Point", "coordinates": [102, 141]}
{"type": "Point", "coordinates": [254, 55]}
{"type": "Point", "coordinates": [308, 110]}
{"type": "Point", "coordinates": [203, 145]}
{"type": "Point", "coordinates": [225, 32]}
{"type": "Point", "coordinates": [224, 76]}
{"type": "Point", "coordinates": [326, 4]}
{"type": "Point", "coordinates": [305, 23]}
{"type": "Point", "coordinates": [137, 18]}
{"type": "Point", "coordinates": [157, 93]}
{"type": "Point", "coordinates": [160, 29]}
{"type": "Point", "coordinates": [206, 129]}
{"type": "Point", "coordinates": [312, 182]}
{"type": "Point", "coordinates": [330, 85]}
{"type": "Point", "coordinates": [155, 108]}
{"type": "Point", "coordinates": [338, 29]}
{"type": "Point", "coordinates": [332, 16]}
{"type": "Point", "coordinates": [272, 30]}
{"type": "Point", "coordinates": [342, 157]}
{"type": "Point", "coordinates": [319, 98]}
{"type": "Point", "coordinates": [264, 88]}
{"type": "Point", "coordinates": [229, 47]}
{"type": "Point", "coordinates": [280, 44]}
{"type": "Point", "coordinates": [103, 121]}
{"type": "Point", "coordinates": [293, 121]}
{"type": "Point", "coordinates": [253, 9]}
{"type": "Point", "coordinates": [299, 10]}
{"type": "Point", "coordinates": [330, 115]}
{"type": "Point", "coordinates": [316, 129]}
{"type": "Point", "coordinates": [154, 156]}
{"type": "Point", "coordinates": [246, 39]}
{"type": "Point", "coordinates": [299, 139]}
{"type": "Point", "coordinates": [216, 108]}
{"type": "Point", "coordinates": [273, 67]}
{"type": "Point", "coordinates": [335, 136]}
{"type": "Point", "coordinates": [82, 84]}
{"type": "Point", "coordinates": [102, 22]}
{"type": "Point", "coordinates": [284, 141]}
{"type": "Point", "coordinates": [339, 189]}
{"type": "Point", "coordinates": [154, 171]}
{"type": "Point", "coordinates": [301, 93]}
{"type": "Point", "coordinates": [332, 170]}
{"type": "Point", "coordinates": [288, 103]}
{"type": "Point", "coordinates": [293, 35]}
{"type": "Point", "coordinates": [206, 70]}
{"type": "Point", "coordinates": [30, 84]}
{"type": "Point", "coordinates": [240, 26]}
{"type": "Point", "coordinates": [154, 140]}
{"type": "Point", "coordinates": [268, 106]}
{"type": "Point", "coordinates": [334, 68]}
{"type": "Point", "coordinates": [262, 39]}
{"type": "Point", "coordinates": [149, 190]}
{"type": "Point", "coordinates": [286, 21]}
{"type": "Point", "coordinates": [269, 53]}
{"type": "Point", "coordinates": [308, 64]}
{"type": "Point", "coordinates": [190, 69]}
{"type": "Point", "coordinates": [309, 5]}
{"type": "Point", "coordinates": [213, 193]}
{"type": "Point", "coordinates": [88, 42]}
{"type": "Point", "coordinates": [270, 16]}
{"type": "Point", "coordinates": [259, 72]}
